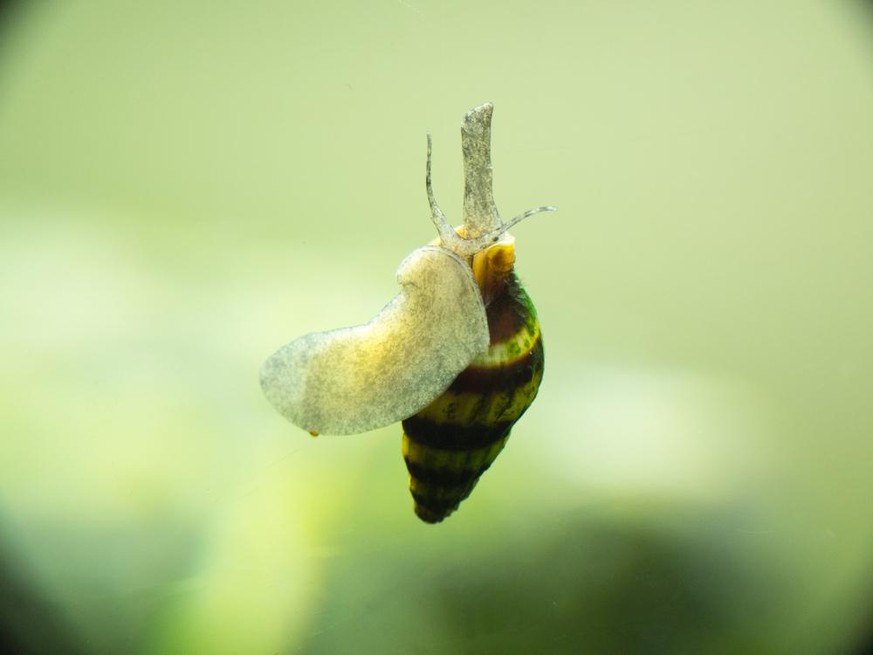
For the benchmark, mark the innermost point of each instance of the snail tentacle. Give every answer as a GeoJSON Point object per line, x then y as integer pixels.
{"type": "Point", "coordinates": [451, 240]}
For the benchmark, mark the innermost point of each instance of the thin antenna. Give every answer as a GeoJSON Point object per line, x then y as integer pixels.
{"type": "Point", "coordinates": [446, 232]}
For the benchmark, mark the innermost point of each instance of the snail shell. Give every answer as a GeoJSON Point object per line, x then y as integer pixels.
{"type": "Point", "coordinates": [449, 444]}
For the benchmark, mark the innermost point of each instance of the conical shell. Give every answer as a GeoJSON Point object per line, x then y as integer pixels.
{"type": "Point", "coordinates": [452, 442]}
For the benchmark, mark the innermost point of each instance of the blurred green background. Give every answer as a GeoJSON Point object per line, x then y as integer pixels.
{"type": "Point", "coordinates": [184, 187]}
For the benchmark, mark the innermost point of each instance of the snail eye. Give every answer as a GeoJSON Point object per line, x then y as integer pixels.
{"type": "Point", "coordinates": [360, 378]}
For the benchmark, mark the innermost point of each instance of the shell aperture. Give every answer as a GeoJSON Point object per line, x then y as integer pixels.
{"type": "Point", "coordinates": [357, 379]}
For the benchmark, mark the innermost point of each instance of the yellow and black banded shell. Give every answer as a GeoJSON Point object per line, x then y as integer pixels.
{"type": "Point", "coordinates": [449, 444]}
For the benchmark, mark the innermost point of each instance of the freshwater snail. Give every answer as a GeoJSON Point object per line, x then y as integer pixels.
{"type": "Point", "coordinates": [456, 356]}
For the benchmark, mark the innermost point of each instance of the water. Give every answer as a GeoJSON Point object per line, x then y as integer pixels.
{"type": "Point", "coordinates": [184, 189]}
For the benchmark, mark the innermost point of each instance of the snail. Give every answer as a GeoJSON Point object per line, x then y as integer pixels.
{"type": "Point", "coordinates": [456, 356]}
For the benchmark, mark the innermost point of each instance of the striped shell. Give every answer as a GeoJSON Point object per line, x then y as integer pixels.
{"type": "Point", "coordinates": [450, 443]}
